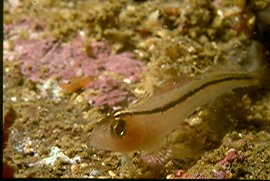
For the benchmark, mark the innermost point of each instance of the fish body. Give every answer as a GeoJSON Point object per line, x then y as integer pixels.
{"type": "Point", "coordinates": [144, 126]}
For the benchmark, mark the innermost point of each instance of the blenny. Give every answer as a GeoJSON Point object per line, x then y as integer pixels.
{"type": "Point", "coordinates": [143, 126]}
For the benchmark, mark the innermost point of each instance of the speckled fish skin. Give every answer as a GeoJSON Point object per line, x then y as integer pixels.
{"type": "Point", "coordinates": [149, 121]}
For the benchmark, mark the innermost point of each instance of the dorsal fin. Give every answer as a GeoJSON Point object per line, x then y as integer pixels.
{"type": "Point", "coordinates": [165, 86]}
{"type": "Point", "coordinates": [172, 83]}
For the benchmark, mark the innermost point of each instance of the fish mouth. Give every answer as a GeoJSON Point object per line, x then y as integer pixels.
{"type": "Point", "coordinates": [100, 135]}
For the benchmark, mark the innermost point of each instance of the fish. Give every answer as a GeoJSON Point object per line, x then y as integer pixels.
{"type": "Point", "coordinates": [145, 125]}
{"type": "Point", "coordinates": [76, 83]}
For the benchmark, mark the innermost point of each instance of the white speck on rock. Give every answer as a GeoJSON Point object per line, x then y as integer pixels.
{"type": "Point", "coordinates": [13, 99]}
{"type": "Point", "coordinates": [127, 81]}
{"type": "Point", "coordinates": [55, 153]}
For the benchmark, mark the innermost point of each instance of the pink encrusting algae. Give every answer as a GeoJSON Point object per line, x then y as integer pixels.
{"type": "Point", "coordinates": [46, 59]}
{"type": "Point", "coordinates": [110, 92]}
{"type": "Point", "coordinates": [43, 60]}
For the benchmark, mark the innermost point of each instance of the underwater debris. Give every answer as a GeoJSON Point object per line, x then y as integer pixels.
{"type": "Point", "coordinates": [54, 155]}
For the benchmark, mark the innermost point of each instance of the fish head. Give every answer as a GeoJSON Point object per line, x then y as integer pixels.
{"type": "Point", "coordinates": [117, 133]}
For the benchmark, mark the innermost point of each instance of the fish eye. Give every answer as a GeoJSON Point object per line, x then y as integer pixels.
{"type": "Point", "coordinates": [118, 127]}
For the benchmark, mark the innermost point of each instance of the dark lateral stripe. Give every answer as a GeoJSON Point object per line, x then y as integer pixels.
{"type": "Point", "coordinates": [188, 95]}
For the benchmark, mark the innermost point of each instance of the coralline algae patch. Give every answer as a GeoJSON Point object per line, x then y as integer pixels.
{"type": "Point", "coordinates": [74, 68]}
